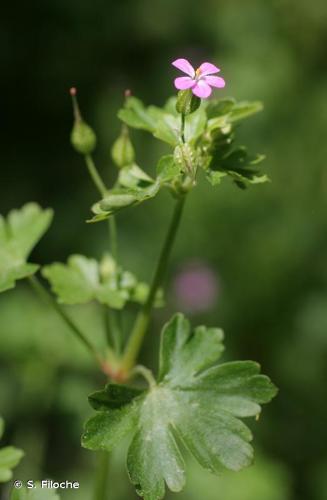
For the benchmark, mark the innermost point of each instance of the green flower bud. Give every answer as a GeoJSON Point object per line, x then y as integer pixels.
{"type": "Point", "coordinates": [122, 151]}
{"type": "Point", "coordinates": [82, 137]}
{"type": "Point", "coordinates": [187, 102]}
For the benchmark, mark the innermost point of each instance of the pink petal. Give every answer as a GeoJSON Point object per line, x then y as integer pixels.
{"type": "Point", "coordinates": [208, 69]}
{"type": "Point", "coordinates": [215, 81]}
{"type": "Point", "coordinates": [202, 89]}
{"type": "Point", "coordinates": [184, 82]}
{"type": "Point", "coordinates": [184, 66]}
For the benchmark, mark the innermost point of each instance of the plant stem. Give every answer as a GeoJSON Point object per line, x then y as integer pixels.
{"type": "Point", "coordinates": [146, 374]}
{"type": "Point", "coordinates": [101, 187]}
{"type": "Point", "coordinates": [143, 318]}
{"type": "Point", "coordinates": [183, 127]}
{"type": "Point", "coordinates": [115, 330]}
{"type": "Point", "coordinates": [113, 237]}
{"type": "Point", "coordinates": [101, 481]}
{"type": "Point", "coordinates": [47, 297]}
{"type": "Point", "coordinates": [95, 175]}
{"type": "Point", "coordinates": [112, 323]}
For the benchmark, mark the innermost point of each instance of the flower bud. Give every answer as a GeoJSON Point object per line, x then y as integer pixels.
{"type": "Point", "coordinates": [82, 137]}
{"type": "Point", "coordinates": [108, 267]}
{"type": "Point", "coordinates": [122, 151]}
{"type": "Point", "coordinates": [187, 102]}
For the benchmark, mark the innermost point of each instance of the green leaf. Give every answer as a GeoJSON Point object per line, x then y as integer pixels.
{"type": "Point", "coordinates": [19, 233]}
{"type": "Point", "coordinates": [117, 199]}
{"type": "Point", "coordinates": [36, 493]}
{"type": "Point", "coordinates": [119, 410]}
{"type": "Point", "coordinates": [239, 165]}
{"type": "Point", "coordinates": [215, 176]}
{"type": "Point", "coordinates": [82, 280]}
{"type": "Point", "coordinates": [164, 124]}
{"type": "Point", "coordinates": [134, 177]}
{"type": "Point", "coordinates": [227, 110]}
{"type": "Point", "coordinates": [9, 458]}
{"type": "Point", "coordinates": [137, 116]}
{"type": "Point", "coordinates": [224, 113]}
{"type": "Point", "coordinates": [113, 397]}
{"type": "Point", "coordinates": [168, 128]}
{"type": "Point", "coordinates": [244, 109]}
{"type": "Point", "coordinates": [167, 169]}
{"type": "Point", "coordinates": [133, 186]}
{"type": "Point", "coordinates": [195, 125]}
{"type": "Point", "coordinates": [195, 401]}
{"type": "Point", "coordinates": [220, 107]}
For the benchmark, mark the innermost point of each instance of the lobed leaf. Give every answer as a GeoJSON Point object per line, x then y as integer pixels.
{"type": "Point", "coordinates": [9, 458]}
{"type": "Point", "coordinates": [82, 280]}
{"type": "Point", "coordinates": [195, 401]}
{"type": "Point", "coordinates": [164, 124]}
{"type": "Point", "coordinates": [19, 233]}
{"type": "Point", "coordinates": [237, 164]}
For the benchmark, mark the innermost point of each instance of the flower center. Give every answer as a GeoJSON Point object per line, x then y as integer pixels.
{"type": "Point", "coordinates": [198, 74]}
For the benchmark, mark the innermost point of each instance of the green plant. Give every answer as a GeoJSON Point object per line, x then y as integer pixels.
{"type": "Point", "coordinates": [194, 400]}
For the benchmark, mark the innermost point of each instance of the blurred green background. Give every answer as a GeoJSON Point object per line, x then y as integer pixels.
{"type": "Point", "coordinates": [266, 246]}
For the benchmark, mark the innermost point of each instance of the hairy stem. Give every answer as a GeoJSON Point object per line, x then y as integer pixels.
{"type": "Point", "coordinates": [47, 297]}
{"type": "Point", "coordinates": [101, 480]}
{"type": "Point", "coordinates": [143, 318]}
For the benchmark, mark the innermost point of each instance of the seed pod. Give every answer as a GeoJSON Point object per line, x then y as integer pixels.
{"type": "Point", "coordinates": [82, 137]}
{"type": "Point", "coordinates": [122, 151]}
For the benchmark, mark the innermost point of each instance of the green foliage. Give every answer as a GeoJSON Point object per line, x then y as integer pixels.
{"type": "Point", "coordinates": [19, 233]}
{"type": "Point", "coordinates": [9, 458]}
{"type": "Point", "coordinates": [36, 493]}
{"type": "Point", "coordinates": [209, 144]}
{"type": "Point", "coordinates": [82, 280]}
{"type": "Point", "coordinates": [195, 400]}
{"type": "Point", "coordinates": [133, 186]}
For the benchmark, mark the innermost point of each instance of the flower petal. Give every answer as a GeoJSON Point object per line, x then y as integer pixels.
{"type": "Point", "coordinates": [202, 89]}
{"type": "Point", "coordinates": [207, 68]}
{"type": "Point", "coordinates": [215, 81]}
{"type": "Point", "coordinates": [184, 82]}
{"type": "Point", "coordinates": [184, 66]}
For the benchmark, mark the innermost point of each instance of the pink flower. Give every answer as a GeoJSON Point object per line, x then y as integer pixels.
{"type": "Point", "coordinates": [200, 80]}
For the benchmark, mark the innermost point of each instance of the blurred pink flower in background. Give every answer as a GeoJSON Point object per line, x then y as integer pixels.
{"type": "Point", "coordinates": [196, 287]}
{"type": "Point", "coordinates": [200, 80]}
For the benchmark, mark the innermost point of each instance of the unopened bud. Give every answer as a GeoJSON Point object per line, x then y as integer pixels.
{"type": "Point", "coordinates": [82, 137]}
{"type": "Point", "coordinates": [184, 157]}
{"type": "Point", "coordinates": [122, 151]}
{"type": "Point", "coordinates": [187, 102]}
